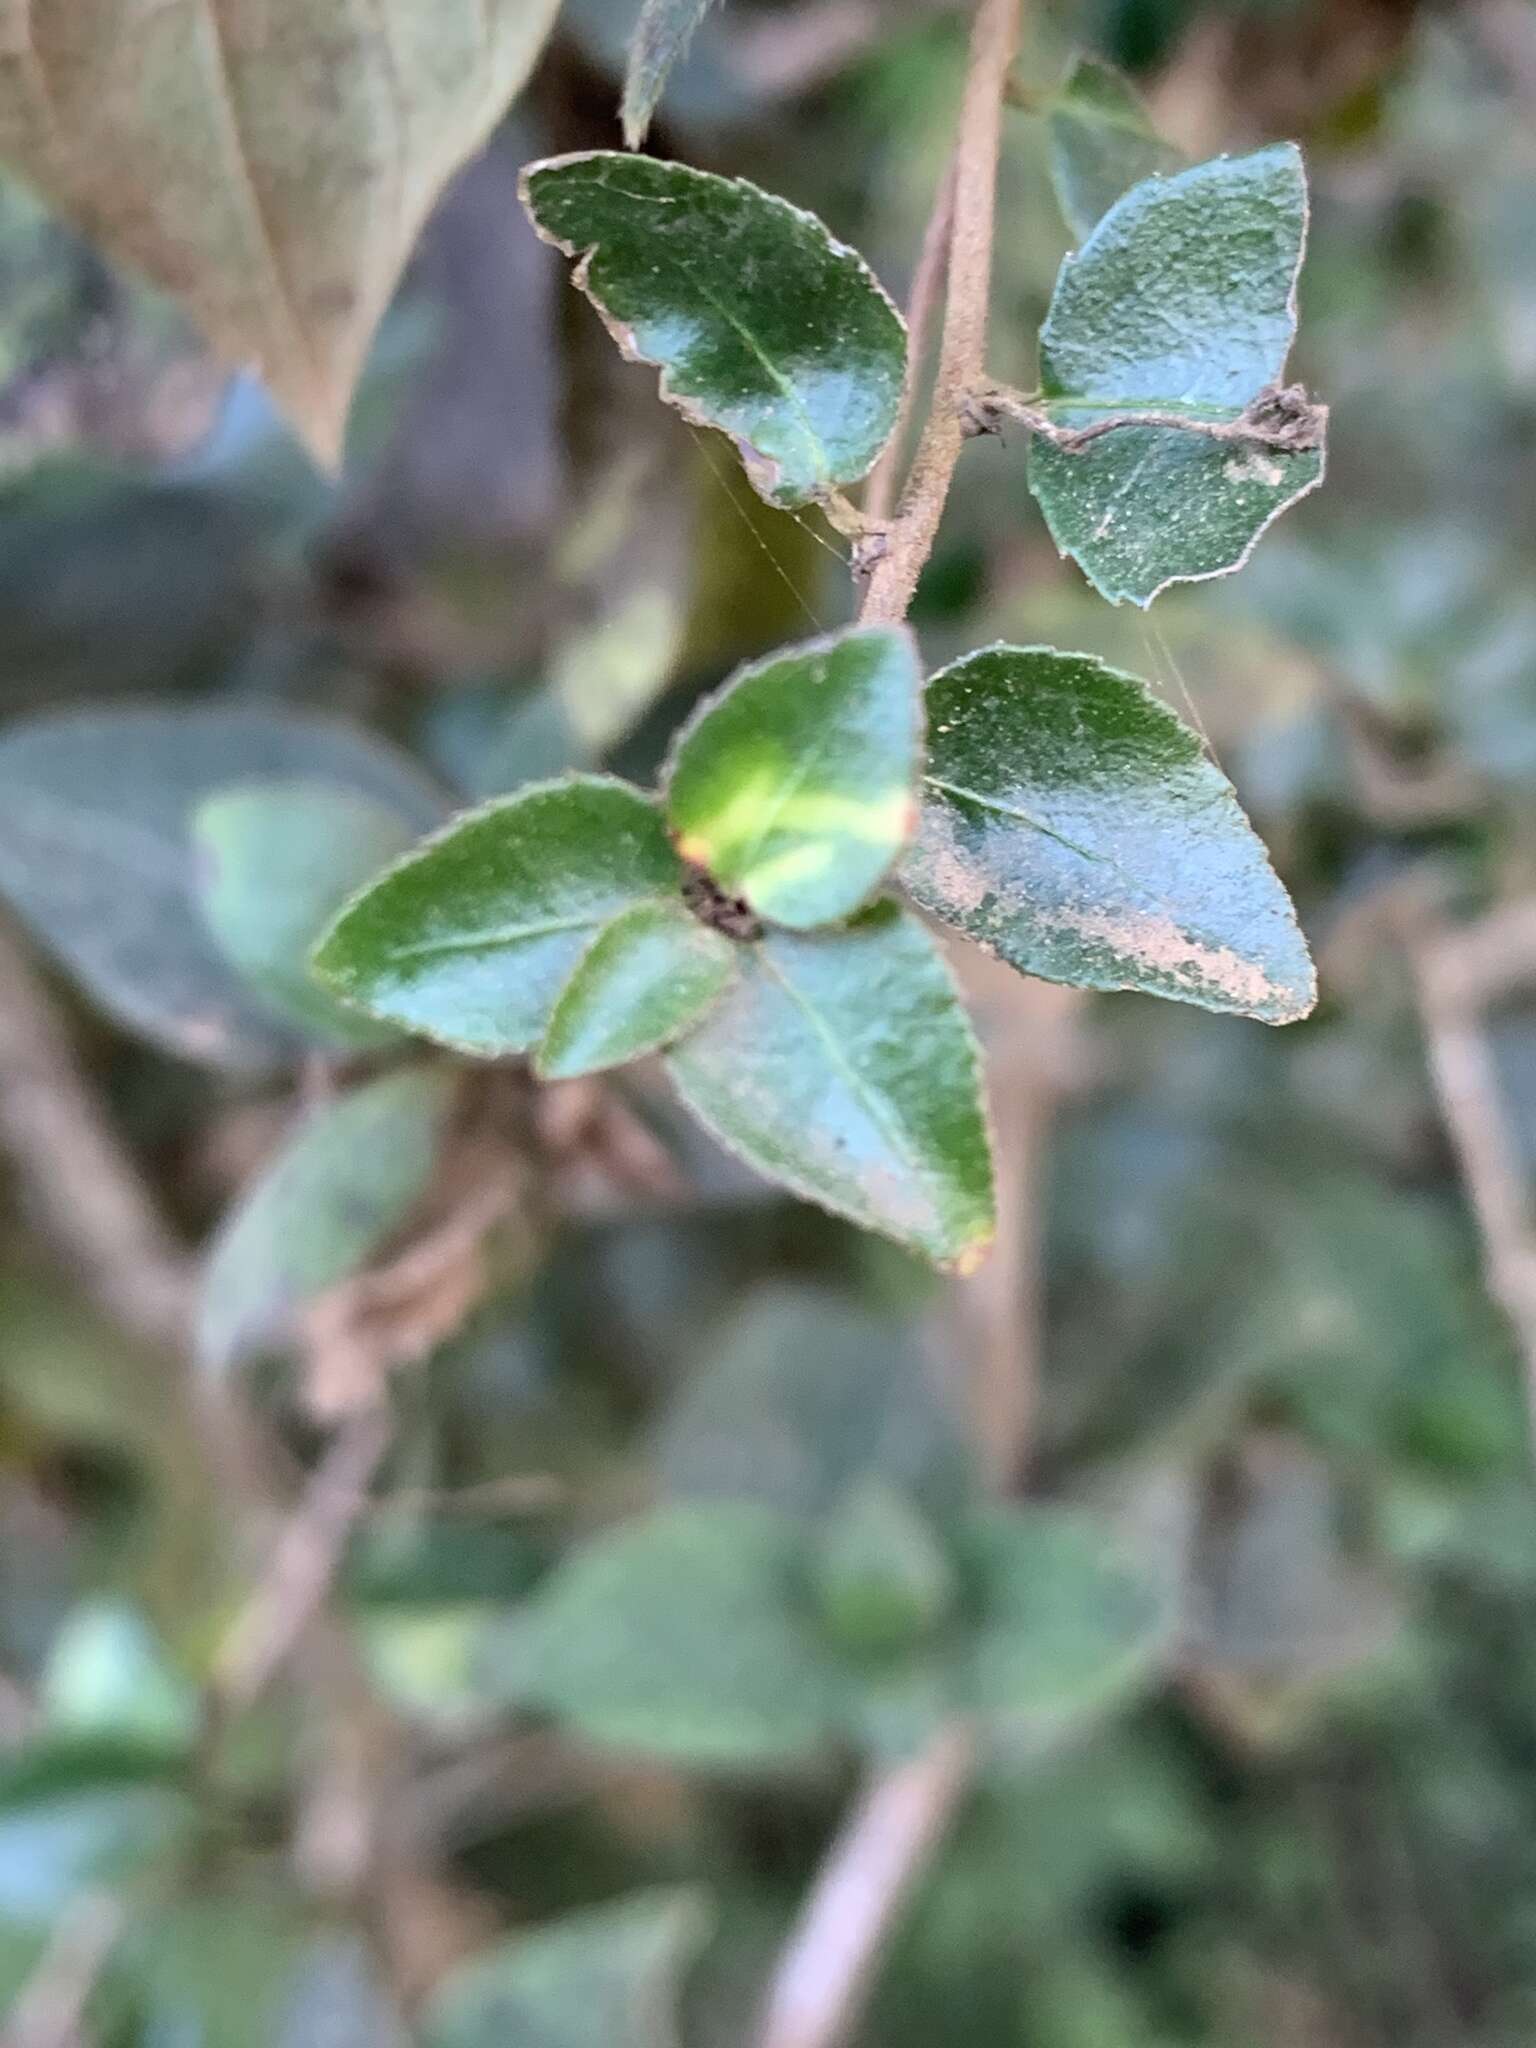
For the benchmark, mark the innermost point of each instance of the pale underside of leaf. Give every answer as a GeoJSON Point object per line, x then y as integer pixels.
{"type": "Point", "coordinates": [1073, 826]}
{"type": "Point", "coordinates": [662, 35]}
{"type": "Point", "coordinates": [269, 163]}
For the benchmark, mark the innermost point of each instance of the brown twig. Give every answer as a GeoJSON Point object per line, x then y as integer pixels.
{"type": "Point", "coordinates": [922, 316]}
{"type": "Point", "coordinates": [307, 1554]}
{"type": "Point", "coordinates": [82, 1185]}
{"type": "Point", "coordinates": [1282, 418]}
{"type": "Point", "coordinates": [993, 1320]}
{"type": "Point", "coordinates": [962, 355]}
{"type": "Point", "coordinates": [1455, 974]}
{"type": "Point", "coordinates": [824, 1973]}
{"type": "Point", "coordinates": [49, 2011]}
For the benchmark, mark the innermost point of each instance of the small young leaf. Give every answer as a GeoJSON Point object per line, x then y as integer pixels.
{"type": "Point", "coordinates": [794, 785]}
{"type": "Point", "coordinates": [96, 810]}
{"type": "Point", "coordinates": [1072, 825]}
{"type": "Point", "coordinates": [270, 162]}
{"type": "Point", "coordinates": [646, 977]}
{"type": "Point", "coordinates": [662, 35]}
{"type": "Point", "coordinates": [470, 939]}
{"type": "Point", "coordinates": [681, 1635]}
{"type": "Point", "coordinates": [279, 859]}
{"type": "Point", "coordinates": [1182, 301]}
{"type": "Point", "coordinates": [1102, 142]}
{"type": "Point", "coordinates": [760, 323]}
{"type": "Point", "coordinates": [340, 1186]}
{"type": "Point", "coordinates": [609, 1977]}
{"type": "Point", "coordinates": [842, 1065]}
{"type": "Point", "coordinates": [1067, 1625]}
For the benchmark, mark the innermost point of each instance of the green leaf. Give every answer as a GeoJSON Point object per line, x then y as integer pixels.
{"type": "Point", "coordinates": [269, 162]}
{"type": "Point", "coordinates": [843, 1066]}
{"type": "Point", "coordinates": [793, 786]}
{"type": "Point", "coordinates": [279, 859]}
{"type": "Point", "coordinates": [470, 939]}
{"type": "Point", "coordinates": [1067, 1626]}
{"type": "Point", "coordinates": [680, 1635]}
{"type": "Point", "coordinates": [335, 1191]}
{"type": "Point", "coordinates": [881, 1582]}
{"type": "Point", "coordinates": [107, 1676]}
{"type": "Point", "coordinates": [644, 980]}
{"type": "Point", "coordinates": [1075, 827]}
{"type": "Point", "coordinates": [1182, 300]}
{"type": "Point", "coordinates": [1102, 142]}
{"type": "Point", "coordinates": [662, 35]}
{"type": "Point", "coordinates": [81, 1811]}
{"type": "Point", "coordinates": [800, 1397]}
{"type": "Point", "coordinates": [760, 323]}
{"type": "Point", "coordinates": [610, 1977]}
{"type": "Point", "coordinates": [96, 853]}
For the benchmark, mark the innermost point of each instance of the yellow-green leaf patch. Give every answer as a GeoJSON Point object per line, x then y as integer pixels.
{"type": "Point", "coordinates": [794, 787]}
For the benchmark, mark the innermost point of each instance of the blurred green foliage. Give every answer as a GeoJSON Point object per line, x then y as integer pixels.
{"type": "Point", "coordinates": [698, 1438]}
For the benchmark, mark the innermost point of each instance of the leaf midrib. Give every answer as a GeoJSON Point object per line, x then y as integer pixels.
{"type": "Point", "coordinates": [895, 1137]}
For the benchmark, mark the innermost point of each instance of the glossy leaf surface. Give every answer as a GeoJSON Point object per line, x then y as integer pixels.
{"type": "Point", "coordinates": [96, 854]}
{"type": "Point", "coordinates": [278, 860]}
{"type": "Point", "coordinates": [1182, 300]}
{"type": "Point", "coordinates": [662, 35]}
{"type": "Point", "coordinates": [335, 1191]}
{"type": "Point", "coordinates": [609, 1977]}
{"type": "Point", "coordinates": [645, 979]}
{"type": "Point", "coordinates": [269, 162]}
{"type": "Point", "coordinates": [794, 786]}
{"type": "Point", "coordinates": [470, 939]}
{"type": "Point", "coordinates": [842, 1065]}
{"type": "Point", "coordinates": [1102, 142]}
{"type": "Point", "coordinates": [760, 323]}
{"type": "Point", "coordinates": [1074, 826]}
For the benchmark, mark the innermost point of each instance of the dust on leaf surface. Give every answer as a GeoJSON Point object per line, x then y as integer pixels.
{"type": "Point", "coordinates": [1182, 300]}
{"type": "Point", "coordinates": [469, 940]}
{"type": "Point", "coordinates": [760, 322]}
{"type": "Point", "coordinates": [1078, 829]}
{"type": "Point", "coordinates": [269, 163]}
{"type": "Point", "coordinates": [842, 1065]}
{"type": "Point", "coordinates": [795, 786]}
